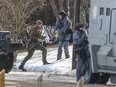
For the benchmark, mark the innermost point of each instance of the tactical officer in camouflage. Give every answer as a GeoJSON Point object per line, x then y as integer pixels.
{"type": "Point", "coordinates": [35, 44]}
{"type": "Point", "coordinates": [82, 52]}
{"type": "Point", "coordinates": [63, 25]}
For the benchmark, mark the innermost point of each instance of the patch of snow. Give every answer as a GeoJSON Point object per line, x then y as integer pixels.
{"type": "Point", "coordinates": [62, 66]}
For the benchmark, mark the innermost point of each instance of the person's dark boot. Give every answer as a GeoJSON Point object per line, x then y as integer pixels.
{"type": "Point", "coordinates": [22, 68]}
{"type": "Point", "coordinates": [58, 58]}
{"type": "Point", "coordinates": [45, 63]}
{"type": "Point", "coordinates": [68, 57]}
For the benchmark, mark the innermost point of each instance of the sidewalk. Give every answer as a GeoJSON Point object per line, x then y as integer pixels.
{"type": "Point", "coordinates": [29, 79]}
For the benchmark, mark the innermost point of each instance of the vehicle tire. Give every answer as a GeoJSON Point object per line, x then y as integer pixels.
{"type": "Point", "coordinates": [2, 63]}
{"type": "Point", "coordinates": [103, 79]}
{"type": "Point", "coordinates": [90, 77]}
{"type": "Point", "coordinates": [10, 62]}
{"type": "Point", "coordinates": [6, 62]}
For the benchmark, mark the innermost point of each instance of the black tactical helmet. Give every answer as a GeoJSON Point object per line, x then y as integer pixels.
{"type": "Point", "coordinates": [80, 25]}
{"type": "Point", "coordinates": [62, 13]}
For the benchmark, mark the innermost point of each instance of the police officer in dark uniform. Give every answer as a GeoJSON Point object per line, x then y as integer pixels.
{"type": "Point", "coordinates": [82, 52]}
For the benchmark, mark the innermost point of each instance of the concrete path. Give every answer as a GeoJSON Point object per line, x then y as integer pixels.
{"type": "Point", "coordinates": [29, 79]}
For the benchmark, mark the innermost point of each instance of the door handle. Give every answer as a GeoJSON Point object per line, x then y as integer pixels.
{"type": "Point", "coordinates": [114, 33]}
{"type": "Point", "coordinates": [101, 24]}
{"type": "Point", "coordinates": [115, 60]}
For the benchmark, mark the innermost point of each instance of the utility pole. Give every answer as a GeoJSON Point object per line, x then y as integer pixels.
{"type": "Point", "coordinates": [76, 20]}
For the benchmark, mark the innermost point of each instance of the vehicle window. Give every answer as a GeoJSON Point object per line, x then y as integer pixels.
{"type": "Point", "coordinates": [101, 11]}
{"type": "Point", "coordinates": [107, 11]}
{"type": "Point", "coordinates": [7, 37]}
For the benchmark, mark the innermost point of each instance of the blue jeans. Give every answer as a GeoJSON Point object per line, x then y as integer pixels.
{"type": "Point", "coordinates": [82, 66]}
{"type": "Point", "coordinates": [64, 44]}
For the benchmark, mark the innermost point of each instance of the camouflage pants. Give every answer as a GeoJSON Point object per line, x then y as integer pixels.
{"type": "Point", "coordinates": [81, 68]}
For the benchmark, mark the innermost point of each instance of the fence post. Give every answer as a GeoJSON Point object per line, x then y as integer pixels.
{"type": "Point", "coordinates": [40, 81]}
{"type": "Point", "coordinates": [2, 78]}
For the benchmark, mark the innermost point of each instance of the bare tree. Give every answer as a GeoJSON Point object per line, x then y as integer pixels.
{"type": "Point", "coordinates": [60, 2]}
{"type": "Point", "coordinates": [14, 13]}
{"type": "Point", "coordinates": [67, 5]}
{"type": "Point", "coordinates": [54, 7]}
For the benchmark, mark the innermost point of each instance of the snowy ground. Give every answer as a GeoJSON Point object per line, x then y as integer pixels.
{"type": "Point", "coordinates": [62, 66]}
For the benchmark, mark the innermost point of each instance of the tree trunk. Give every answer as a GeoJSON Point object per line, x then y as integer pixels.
{"type": "Point", "coordinates": [54, 7]}
{"type": "Point", "coordinates": [72, 12]}
{"type": "Point", "coordinates": [60, 5]}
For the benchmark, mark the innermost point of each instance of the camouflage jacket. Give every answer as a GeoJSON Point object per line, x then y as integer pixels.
{"type": "Point", "coordinates": [62, 26]}
{"type": "Point", "coordinates": [79, 37]}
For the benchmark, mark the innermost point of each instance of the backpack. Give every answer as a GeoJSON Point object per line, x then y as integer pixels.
{"type": "Point", "coordinates": [69, 30]}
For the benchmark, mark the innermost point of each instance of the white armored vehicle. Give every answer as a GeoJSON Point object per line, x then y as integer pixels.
{"type": "Point", "coordinates": [102, 39]}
